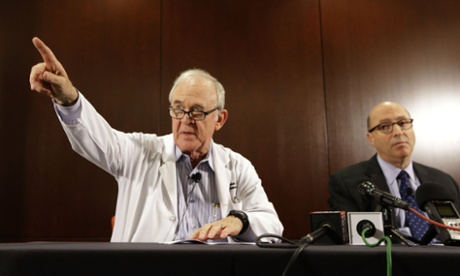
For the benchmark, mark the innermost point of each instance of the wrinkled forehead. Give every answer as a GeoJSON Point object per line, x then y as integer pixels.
{"type": "Point", "coordinates": [194, 91]}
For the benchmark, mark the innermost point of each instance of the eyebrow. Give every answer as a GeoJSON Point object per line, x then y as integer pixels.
{"type": "Point", "coordinates": [194, 106]}
{"type": "Point", "coordinates": [402, 117]}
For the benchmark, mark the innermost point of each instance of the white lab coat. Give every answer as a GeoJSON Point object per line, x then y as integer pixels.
{"type": "Point", "coordinates": [145, 169]}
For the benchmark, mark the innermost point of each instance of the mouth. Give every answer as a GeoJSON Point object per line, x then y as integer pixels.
{"type": "Point", "coordinates": [186, 133]}
{"type": "Point", "coordinates": [399, 143]}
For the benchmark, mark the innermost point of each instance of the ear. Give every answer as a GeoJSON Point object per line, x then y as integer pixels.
{"type": "Point", "coordinates": [370, 138]}
{"type": "Point", "coordinates": [221, 119]}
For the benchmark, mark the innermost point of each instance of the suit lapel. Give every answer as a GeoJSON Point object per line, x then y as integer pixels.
{"type": "Point", "coordinates": [375, 174]}
{"type": "Point", "coordinates": [422, 175]}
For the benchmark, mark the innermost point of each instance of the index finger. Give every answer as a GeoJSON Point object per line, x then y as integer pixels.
{"type": "Point", "coordinates": [45, 52]}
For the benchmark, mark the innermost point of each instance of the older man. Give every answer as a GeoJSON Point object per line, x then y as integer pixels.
{"type": "Point", "coordinates": [391, 133]}
{"type": "Point", "coordinates": [172, 187]}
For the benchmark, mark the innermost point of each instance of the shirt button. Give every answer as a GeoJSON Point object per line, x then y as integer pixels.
{"type": "Point", "coordinates": [172, 217]}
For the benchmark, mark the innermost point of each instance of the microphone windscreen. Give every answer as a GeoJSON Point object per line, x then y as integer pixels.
{"type": "Point", "coordinates": [196, 177]}
{"type": "Point", "coordinates": [431, 191]}
{"type": "Point", "coordinates": [366, 188]}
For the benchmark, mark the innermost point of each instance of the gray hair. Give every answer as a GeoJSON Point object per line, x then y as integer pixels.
{"type": "Point", "coordinates": [220, 92]}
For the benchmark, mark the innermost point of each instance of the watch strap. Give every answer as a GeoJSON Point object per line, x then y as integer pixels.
{"type": "Point", "coordinates": [243, 217]}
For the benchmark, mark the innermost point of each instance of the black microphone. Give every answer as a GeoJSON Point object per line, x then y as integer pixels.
{"type": "Point", "coordinates": [431, 191]}
{"type": "Point", "coordinates": [368, 189]}
{"type": "Point", "coordinates": [196, 177]}
{"type": "Point", "coordinates": [436, 200]}
{"type": "Point", "coordinates": [324, 229]}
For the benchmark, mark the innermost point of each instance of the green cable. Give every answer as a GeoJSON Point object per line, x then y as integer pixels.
{"type": "Point", "coordinates": [388, 247]}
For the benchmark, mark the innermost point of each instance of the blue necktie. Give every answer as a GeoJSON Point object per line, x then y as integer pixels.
{"type": "Point", "coordinates": [417, 225]}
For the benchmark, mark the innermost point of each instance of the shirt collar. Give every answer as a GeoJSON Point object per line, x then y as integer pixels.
{"type": "Point", "coordinates": [391, 172]}
{"type": "Point", "coordinates": [207, 158]}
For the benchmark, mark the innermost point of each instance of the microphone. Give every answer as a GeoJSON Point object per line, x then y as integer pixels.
{"type": "Point", "coordinates": [436, 200]}
{"type": "Point", "coordinates": [336, 220]}
{"type": "Point", "coordinates": [368, 189]}
{"type": "Point", "coordinates": [196, 177]}
{"type": "Point", "coordinates": [324, 229]}
{"type": "Point", "coordinates": [431, 191]}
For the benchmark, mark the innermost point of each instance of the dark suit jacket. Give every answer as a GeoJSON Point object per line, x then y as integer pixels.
{"type": "Point", "coordinates": [344, 194]}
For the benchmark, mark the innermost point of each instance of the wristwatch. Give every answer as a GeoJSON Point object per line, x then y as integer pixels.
{"type": "Point", "coordinates": [243, 217]}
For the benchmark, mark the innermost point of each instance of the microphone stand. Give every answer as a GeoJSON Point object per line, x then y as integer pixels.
{"type": "Point", "coordinates": [390, 230]}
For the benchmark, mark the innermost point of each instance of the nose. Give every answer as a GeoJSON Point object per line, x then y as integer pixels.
{"type": "Point", "coordinates": [187, 119]}
{"type": "Point", "coordinates": [397, 130]}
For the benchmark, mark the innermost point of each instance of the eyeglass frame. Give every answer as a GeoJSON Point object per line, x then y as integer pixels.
{"type": "Point", "coordinates": [410, 121]}
{"type": "Point", "coordinates": [190, 112]}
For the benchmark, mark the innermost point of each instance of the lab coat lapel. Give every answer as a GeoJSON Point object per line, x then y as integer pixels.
{"type": "Point", "coordinates": [223, 176]}
{"type": "Point", "coordinates": [168, 174]}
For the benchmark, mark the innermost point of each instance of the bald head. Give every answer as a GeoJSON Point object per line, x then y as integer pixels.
{"type": "Point", "coordinates": [382, 108]}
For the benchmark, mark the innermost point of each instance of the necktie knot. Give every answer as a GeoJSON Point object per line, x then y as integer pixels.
{"type": "Point", "coordinates": [403, 176]}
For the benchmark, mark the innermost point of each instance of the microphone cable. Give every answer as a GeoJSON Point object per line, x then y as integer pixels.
{"type": "Point", "coordinates": [325, 229]}
{"type": "Point", "coordinates": [288, 243]}
{"type": "Point", "coordinates": [294, 256]}
{"type": "Point", "coordinates": [387, 241]}
{"type": "Point", "coordinates": [433, 221]}
{"type": "Point", "coordinates": [299, 244]}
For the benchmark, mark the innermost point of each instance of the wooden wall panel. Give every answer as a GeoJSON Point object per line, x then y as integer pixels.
{"type": "Point", "coordinates": [15, 33]}
{"type": "Point", "coordinates": [268, 57]}
{"type": "Point", "coordinates": [404, 51]}
{"type": "Point", "coordinates": [300, 76]}
{"type": "Point", "coordinates": [110, 50]}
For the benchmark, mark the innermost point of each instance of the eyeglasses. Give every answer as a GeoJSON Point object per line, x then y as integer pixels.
{"type": "Point", "coordinates": [387, 128]}
{"type": "Point", "coordinates": [196, 115]}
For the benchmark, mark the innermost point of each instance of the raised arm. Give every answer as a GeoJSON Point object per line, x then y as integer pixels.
{"type": "Point", "coordinates": [50, 78]}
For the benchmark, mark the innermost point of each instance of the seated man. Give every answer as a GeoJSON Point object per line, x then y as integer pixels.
{"type": "Point", "coordinates": [173, 187]}
{"type": "Point", "coordinates": [390, 132]}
